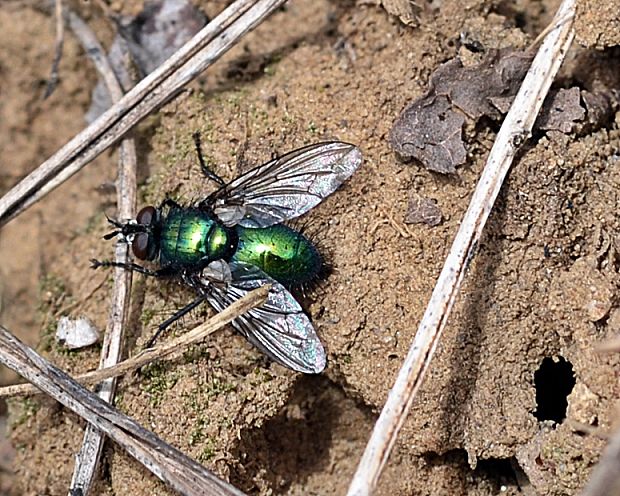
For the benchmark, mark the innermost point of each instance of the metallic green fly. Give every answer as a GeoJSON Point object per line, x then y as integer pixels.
{"type": "Point", "coordinates": [234, 241]}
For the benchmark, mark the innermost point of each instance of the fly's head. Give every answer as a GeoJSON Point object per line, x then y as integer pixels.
{"type": "Point", "coordinates": [142, 233]}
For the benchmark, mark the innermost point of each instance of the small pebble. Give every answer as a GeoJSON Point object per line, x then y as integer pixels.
{"type": "Point", "coordinates": [76, 333]}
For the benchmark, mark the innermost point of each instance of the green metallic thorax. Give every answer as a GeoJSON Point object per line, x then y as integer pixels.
{"type": "Point", "coordinates": [279, 251]}
{"type": "Point", "coordinates": [191, 237]}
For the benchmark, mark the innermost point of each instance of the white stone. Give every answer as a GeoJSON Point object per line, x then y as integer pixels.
{"type": "Point", "coordinates": [76, 333]}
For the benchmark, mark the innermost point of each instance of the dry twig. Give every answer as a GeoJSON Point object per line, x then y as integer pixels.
{"type": "Point", "coordinates": [514, 132]}
{"type": "Point", "coordinates": [52, 82]}
{"type": "Point", "coordinates": [188, 62]}
{"type": "Point", "coordinates": [611, 345]}
{"type": "Point", "coordinates": [605, 478]}
{"type": "Point", "coordinates": [169, 464]}
{"type": "Point", "coordinates": [89, 455]}
{"type": "Point", "coordinates": [170, 349]}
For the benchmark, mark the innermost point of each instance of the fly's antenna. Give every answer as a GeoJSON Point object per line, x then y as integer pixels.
{"type": "Point", "coordinates": [114, 222]}
{"type": "Point", "coordinates": [124, 230]}
{"type": "Point", "coordinates": [117, 231]}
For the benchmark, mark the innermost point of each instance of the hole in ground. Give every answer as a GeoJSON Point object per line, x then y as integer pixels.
{"type": "Point", "coordinates": [554, 380]}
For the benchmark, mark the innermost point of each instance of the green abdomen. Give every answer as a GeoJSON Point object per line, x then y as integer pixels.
{"type": "Point", "coordinates": [190, 237]}
{"type": "Point", "coordinates": [279, 251]}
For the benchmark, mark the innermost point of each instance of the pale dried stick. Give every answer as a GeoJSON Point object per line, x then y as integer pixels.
{"type": "Point", "coordinates": [87, 458]}
{"type": "Point", "coordinates": [605, 477]}
{"type": "Point", "coordinates": [169, 464]}
{"type": "Point", "coordinates": [184, 65]}
{"type": "Point", "coordinates": [168, 349]}
{"type": "Point", "coordinates": [514, 132]}
{"type": "Point", "coordinates": [611, 345]}
{"type": "Point", "coordinates": [52, 82]}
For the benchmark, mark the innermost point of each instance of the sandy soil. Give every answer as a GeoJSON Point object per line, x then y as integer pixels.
{"type": "Point", "coordinates": [544, 282]}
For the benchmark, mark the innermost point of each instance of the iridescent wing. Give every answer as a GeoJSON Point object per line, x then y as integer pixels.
{"type": "Point", "coordinates": [286, 187]}
{"type": "Point", "coordinates": [279, 328]}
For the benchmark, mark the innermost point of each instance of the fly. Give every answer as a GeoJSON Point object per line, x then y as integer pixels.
{"type": "Point", "coordinates": [234, 241]}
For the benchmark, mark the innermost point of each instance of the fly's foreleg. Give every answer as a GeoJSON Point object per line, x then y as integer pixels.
{"type": "Point", "coordinates": [165, 271]}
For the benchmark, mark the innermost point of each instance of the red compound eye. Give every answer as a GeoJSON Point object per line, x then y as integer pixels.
{"type": "Point", "coordinates": [146, 216]}
{"type": "Point", "coordinates": [140, 246]}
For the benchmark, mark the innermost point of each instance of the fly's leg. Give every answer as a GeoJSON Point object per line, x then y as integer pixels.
{"type": "Point", "coordinates": [203, 166]}
{"type": "Point", "coordinates": [176, 316]}
{"type": "Point", "coordinates": [165, 271]}
{"type": "Point", "coordinates": [216, 270]}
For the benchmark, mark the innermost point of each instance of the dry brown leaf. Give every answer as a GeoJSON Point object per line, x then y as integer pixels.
{"type": "Point", "coordinates": [475, 89]}
{"type": "Point", "coordinates": [430, 131]}
{"type": "Point", "coordinates": [561, 111]}
{"type": "Point", "coordinates": [430, 128]}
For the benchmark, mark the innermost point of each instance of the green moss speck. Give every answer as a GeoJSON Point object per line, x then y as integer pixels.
{"type": "Point", "coordinates": [312, 127]}
{"type": "Point", "coordinates": [288, 119]}
{"type": "Point", "coordinates": [234, 99]}
{"type": "Point", "coordinates": [208, 451]}
{"type": "Point", "coordinates": [158, 380]}
{"type": "Point", "coordinates": [119, 401]}
{"type": "Point", "coordinates": [217, 387]}
{"type": "Point", "coordinates": [47, 337]}
{"type": "Point", "coordinates": [206, 132]}
{"type": "Point", "coordinates": [226, 422]}
{"type": "Point", "coordinates": [24, 409]}
{"type": "Point", "coordinates": [259, 114]}
{"type": "Point", "coordinates": [198, 400]}
{"type": "Point", "coordinates": [260, 376]}
{"type": "Point", "coordinates": [146, 316]}
{"type": "Point", "coordinates": [197, 434]}
{"type": "Point", "coordinates": [195, 353]}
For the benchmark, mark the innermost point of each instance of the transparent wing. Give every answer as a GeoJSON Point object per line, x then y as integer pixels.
{"type": "Point", "coordinates": [285, 187]}
{"type": "Point", "coordinates": [279, 328]}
